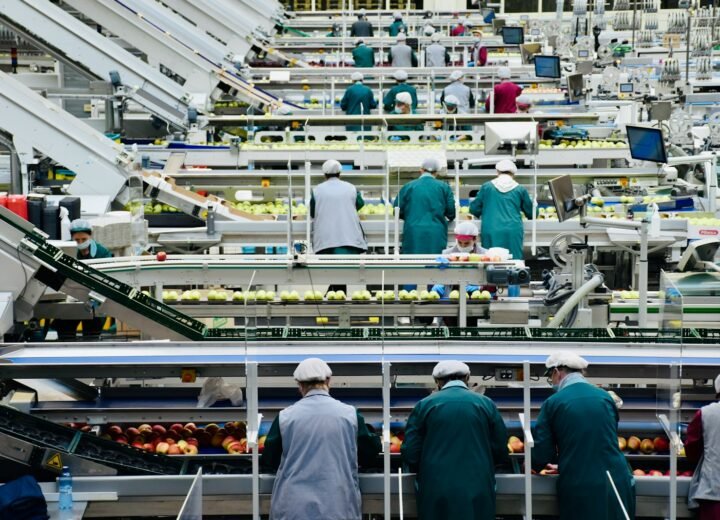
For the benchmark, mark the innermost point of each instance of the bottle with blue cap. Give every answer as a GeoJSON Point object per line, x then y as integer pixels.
{"type": "Point", "coordinates": [65, 500]}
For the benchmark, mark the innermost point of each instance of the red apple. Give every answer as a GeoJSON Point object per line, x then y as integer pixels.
{"type": "Point", "coordinates": [121, 439]}
{"type": "Point", "coordinates": [191, 426]}
{"type": "Point", "coordinates": [686, 473]}
{"type": "Point", "coordinates": [174, 449]}
{"type": "Point", "coordinates": [138, 445]}
{"type": "Point", "coordinates": [187, 432]}
{"type": "Point", "coordinates": [162, 448]}
{"type": "Point", "coordinates": [633, 443]}
{"type": "Point", "coordinates": [173, 434]}
{"type": "Point", "coordinates": [159, 429]}
{"type": "Point", "coordinates": [647, 446]}
{"type": "Point", "coordinates": [145, 428]}
{"type": "Point", "coordinates": [193, 441]}
{"type": "Point", "coordinates": [227, 440]}
{"type": "Point", "coordinates": [161, 256]}
{"type": "Point", "coordinates": [170, 441]}
{"type": "Point", "coordinates": [115, 430]}
{"type": "Point", "coordinates": [132, 433]}
{"type": "Point", "coordinates": [86, 429]}
{"type": "Point", "coordinates": [394, 448]}
{"type": "Point", "coordinates": [655, 473]}
{"type": "Point", "coordinates": [661, 444]}
{"type": "Point", "coordinates": [622, 443]}
{"type": "Point", "coordinates": [177, 427]}
{"type": "Point", "coordinates": [639, 473]}
{"type": "Point", "coordinates": [212, 428]}
{"type": "Point", "coordinates": [148, 447]}
{"type": "Point", "coordinates": [236, 447]}
{"type": "Point", "coordinates": [190, 449]}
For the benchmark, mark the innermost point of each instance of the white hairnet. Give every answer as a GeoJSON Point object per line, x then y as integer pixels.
{"type": "Point", "coordinates": [361, 12]}
{"type": "Point", "coordinates": [466, 228]}
{"type": "Point", "coordinates": [312, 369]}
{"type": "Point", "coordinates": [435, 37]}
{"type": "Point", "coordinates": [450, 368]}
{"type": "Point", "coordinates": [566, 360]}
{"type": "Point", "coordinates": [429, 30]}
{"type": "Point", "coordinates": [431, 164]}
{"type": "Point", "coordinates": [400, 75]}
{"type": "Point", "coordinates": [456, 75]}
{"type": "Point", "coordinates": [452, 100]}
{"type": "Point", "coordinates": [356, 76]}
{"type": "Point", "coordinates": [717, 385]}
{"type": "Point", "coordinates": [504, 73]}
{"type": "Point", "coordinates": [397, 15]}
{"type": "Point", "coordinates": [506, 166]}
{"type": "Point", "coordinates": [404, 97]}
{"type": "Point", "coordinates": [331, 167]}
{"type": "Point", "coordinates": [401, 37]}
{"type": "Point", "coordinates": [80, 225]}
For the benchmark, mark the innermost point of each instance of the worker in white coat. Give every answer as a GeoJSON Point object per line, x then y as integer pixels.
{"type": "Point", "coordinates": [315, 445]}
{"type": "Point", "coordinates": [436, 55]}
{"type": "Point", "coordinates": [401, 54]}
{"type": "Point", "coordinates": [466, 100]}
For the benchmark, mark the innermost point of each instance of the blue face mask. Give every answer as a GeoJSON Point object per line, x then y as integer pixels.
{"type": "Point", "coordinates": [85, 245]}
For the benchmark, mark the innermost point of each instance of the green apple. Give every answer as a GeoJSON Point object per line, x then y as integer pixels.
{"type": "Point", "coordinates": [260, 295]}
{"type": "Point", "coordinates": [270, 296]}
{"type": "Point", "coordinates": [455, 295]}
{"type": "Point", "coordinates": [331, 295]}
{"type": "Point", "coordinates": [476, 295]}
{"type": "Point", "coordinates": [238, 296]}
{"type": "Point", "coordinates": [294, 296]}
{"type": "Point", "coordinates": [486, 295]}
{"type": "Point", "coordinates": [309, 296]}
{"type": "Point", "coordinates": [284, 296]}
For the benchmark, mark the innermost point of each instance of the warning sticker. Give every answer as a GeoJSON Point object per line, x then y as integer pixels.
{"type": "Point", "coordinates": [54, 462]}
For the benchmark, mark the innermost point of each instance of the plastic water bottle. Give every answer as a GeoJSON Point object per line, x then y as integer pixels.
{"type": "Point", "coordinates": [65, 502]}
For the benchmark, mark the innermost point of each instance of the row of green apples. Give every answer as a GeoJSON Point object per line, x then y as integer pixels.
{"type": "Point", "coordinates": [581, 143]}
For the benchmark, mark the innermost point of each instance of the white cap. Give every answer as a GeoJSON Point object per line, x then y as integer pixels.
{"type": "Point", "coordinates": [356, 76]}
{"type": "Point", "coordinates": [312, 369]}
{"type": "Point", "coordinates": [466, 228]}
{"type": "Point", "coordinates": [401, 37]}
{"type": "Point", "coordinates": [361, 12]}
{"type": "Point", "coordinates": [435, 37]}
{"type": "Point", "coordinates": [717, 385]}
{"type": "Point", "coordinates": [456, 75]}
{"type": "Point", "coordinates": [80, 225]}
{"type": "Point", "coordinates": [565, 359]}
{"type": "Point", "coordinates": [429, 30]}
{"type": "Point", "coordinates": [504, 73]}
{"type": "Point", "coordinates": [450, 368]}
{"type": "Point", "coordinates": [400, 75]}
{"type": "Point", "coordinates": [452, 100]}
{"type": "Point", "coordinates": [397, 15]}
{"type": "Point", "coordinates": [431, 164]}
{"type": "Point", "coordinates": [404, 97]}
{"type": "Point", "coordinates": [506, 166]}
{"type": "Point", "coordinates": [359, 41]}
{"type": "Point", "coordinates": [331, 167]}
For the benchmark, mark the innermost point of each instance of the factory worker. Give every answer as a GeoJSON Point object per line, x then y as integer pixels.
{"type": "Point", "coordinates": [403, 105]}
{"type": "Point", "coordinates": [398, 26]}
{"type": "Point", "coordinates": [703, 446]}
{"type": "Point", "coordinates": [88, 249]}
{"type": "Point", "coordinates": [450, 107]}
{"type": "Point", "coordinates": [499, 203]}
{"type": "Point", "coordinates": [358, 99]}
{"type": "Point", "coordinates": [479, 52]}
{"type": "Point", "coordinates": [455, 480]}
{"type": "Point", "coordinates": [466, 100]}
{"type": "Point", "coordinates": [335, 31]}
{"type": "Point", "coordinates": [426, 205]}
{"type": "Point", "coordinates": [461, 28]}
{"type": "Point", "coordinates": [316, 445]}
{"type": "Point", "coordinates": [428, 30]}
{"type": "Point", "coordinates": [401, 77]}
{"type": "Point", "coordinates": [363, 56]}
{"type": "Point", "coordinates": [401, 54]}
{"type": "Point", "coordinates": [361, 28]}
{"type": "Point", "coordinates": [506, 93]}
{"type": "Point", "coordinates": [466, 241]}
{"type": "Point", "coordinates": [436, 55]}
{"type": "Point", "coordinates": [577, 430]}
{"type": "Point", "coordinates": [333, 207]}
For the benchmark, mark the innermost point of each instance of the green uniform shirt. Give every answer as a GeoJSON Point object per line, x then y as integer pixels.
{"type": "Point", "coordinates": [389, 99]}
{"type": "Point", "coordinates": [577, 429]}
{"type": "Point", "coordinates": [426, 205]}
{"type": "Point", "coordinates": [397, 27]}
{"type": "Point", "coordinates": [358, 99]}
{"type": "Point", "coordinates": [502, 225]}
{"type": "Point", "coordinates": [363, 56]}
{"type": "Point", "coordinates": [453, 440]}
{"type": "Point", "coordinates": [100, 252]}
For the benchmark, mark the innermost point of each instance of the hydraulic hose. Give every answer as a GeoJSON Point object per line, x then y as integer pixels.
{"type": "Point", "coordinates": [574, 300]}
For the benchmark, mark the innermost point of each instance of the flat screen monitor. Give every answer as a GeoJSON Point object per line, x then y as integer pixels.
{"type": "Point", "coordinates": [563, 194]}
{"type": "Point", "coordinates": [626, 88]}
{"type": "Point", "coordinates": [575, 87]}
{"type": "Point", "coordinates": [528, 50]}
{"type": "Point", "coordinates": [646, 144]}
{"type": "Point", "coordinates": [583, 53]}
{"type": "Point", "coordinates": [547, 67]}
{"type": "Point", "coordinates": [513, 35]}
{"type": "Point", "coordinates": [498, 24]}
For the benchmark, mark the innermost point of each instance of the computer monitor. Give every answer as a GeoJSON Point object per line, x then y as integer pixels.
{"type": "Point", "coordinates": [583, 53]}
{"type": "Point", "coordinates": [575, 86]}
{"type": "Point", "coordinates": [646, 144]}
{"type": "Point", "coordinates": [626, 88]}
{"type": "Point", "coordinates": [497, 25]}
{"type": "Point", "coordinates": [506, 138]}
{"type": "Point", "coordinates": [513, 35]}
{"type": "Point", "coordinates": [563, 194]}
{"type": "Point", "coordinates": [547, 67]}
{"type": "Point", "coordinates": [528, 50]}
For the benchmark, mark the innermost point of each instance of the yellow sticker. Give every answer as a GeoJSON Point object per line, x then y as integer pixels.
{"type": "Point", "coordinates": [54, 462]}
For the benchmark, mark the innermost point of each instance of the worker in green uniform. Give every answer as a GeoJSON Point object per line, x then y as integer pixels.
{"type": "Point", "coordinates": [358, 99]}
{"type": "Point", "coordinates": [577, 430]}
{"type": "Point", "coordinates": [401, 77]}
{"type": "Point", "coordinates": [403, 106]}
{"type": "Point", "coordinates": [426, 205]}
{"type": "Point", "coordinates": [88, 249]}
{"type": "Point", "coordinates": [500, 203]}
{"type": "Point", "coordinates": [455, 480]}
{"type": "Point", "coordinates": [363, 56]}
{"type": "Point", "coordinates": [398, 26]}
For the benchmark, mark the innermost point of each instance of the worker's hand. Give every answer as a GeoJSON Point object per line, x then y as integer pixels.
{"type": "Point", "coordinates": [443, 262]}
{"type": "Point", "coordinates": [440, 289]}
{"type": "Point", "coordinates": [550, 469]}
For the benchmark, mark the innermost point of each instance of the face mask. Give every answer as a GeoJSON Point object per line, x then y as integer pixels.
{"type": "Point", "coordinates": [464, 249]}
{"type": "Point", "coordinates": [85, 245]}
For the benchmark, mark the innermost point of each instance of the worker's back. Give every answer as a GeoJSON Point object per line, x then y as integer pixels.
{"type": "Point", "coordinates": [435, 55]}
{"type": "Point", "coordinates": [318, 474]}
{"type": "Point", "coordinates": [361, 29]}
{"type": "Point", "coordinates": [425, 206]}
{"type": "Point", "coordinates": [506, 94]}
{"type": "Point", "coordinates": [336, 222]}
{"type": "Point", "coordinates": [358, 99]}
{"type": "Point", "coordinates": [462, 93]}
{"type": "Point", "coordinates": [363, 56]}
{"type": "Point", "coordinates": [402, 55]}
